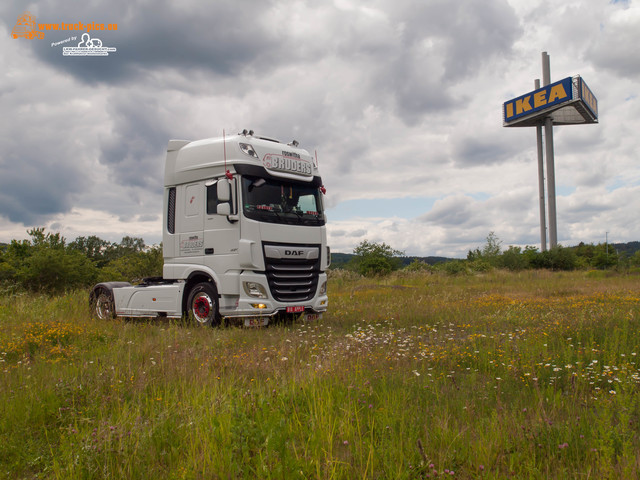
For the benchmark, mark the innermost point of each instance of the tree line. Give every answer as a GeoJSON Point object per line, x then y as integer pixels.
{"type": "Point", "coordinates": [372, 259]}
{"type": "Point", "coordinates": [47, 263]}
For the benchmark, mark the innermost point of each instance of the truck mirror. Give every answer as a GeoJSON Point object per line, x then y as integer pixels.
{"type": "Point", "coordinates": [224, 191]}
{"type": "Point", "coordinates": [224, 209]}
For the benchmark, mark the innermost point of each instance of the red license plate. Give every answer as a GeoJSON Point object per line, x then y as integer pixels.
{"type": "Point", "coordinates": [296, 309]}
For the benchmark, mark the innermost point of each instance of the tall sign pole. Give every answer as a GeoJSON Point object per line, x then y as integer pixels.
{"type": "Point", "coordinates": [543, 221]}
{"type": "Point", "coordinates": [551, 175]}
{"type": "Point", "coordinates": [566, 102]}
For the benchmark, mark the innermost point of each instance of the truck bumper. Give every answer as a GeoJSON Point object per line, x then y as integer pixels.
{"type": "Point", "coordinates": [264, 305]}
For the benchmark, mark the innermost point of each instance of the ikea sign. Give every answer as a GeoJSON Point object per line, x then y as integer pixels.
{"type": "Point", "coordinates": [533, 102]}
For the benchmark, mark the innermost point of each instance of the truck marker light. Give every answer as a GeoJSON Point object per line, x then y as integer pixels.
{"type": "Point", "coordinates": [258, 305]}
{"type": "Point", "coordinates": [248, 149]}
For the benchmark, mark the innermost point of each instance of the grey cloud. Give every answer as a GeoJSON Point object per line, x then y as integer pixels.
{"type": "Point", "coordinates": [218, 37]}
{"type": "Point", "coordinates": [477, 151]}
{"type": "Point", "coordinates": [36, 182]}
{"type": "Point", "coordinates": [443, 42]}
{"type": "Point", "coordinates": [454, 210]}
{"type": "Point", "coordinates": [134, 150]}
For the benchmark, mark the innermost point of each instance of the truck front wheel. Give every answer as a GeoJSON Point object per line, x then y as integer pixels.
{"type": "Point", "coordinates": [202, 304]}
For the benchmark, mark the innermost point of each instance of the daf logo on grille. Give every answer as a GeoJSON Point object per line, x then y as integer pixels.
{"type": "Point", "coordinates": [291, 251]}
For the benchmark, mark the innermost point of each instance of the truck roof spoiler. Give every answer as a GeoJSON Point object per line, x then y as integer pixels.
{"type": "Point", "coordinates": [176, 145]}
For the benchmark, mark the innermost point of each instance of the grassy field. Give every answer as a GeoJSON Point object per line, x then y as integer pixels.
{"type": "Point", "coordinates": [501, 375]}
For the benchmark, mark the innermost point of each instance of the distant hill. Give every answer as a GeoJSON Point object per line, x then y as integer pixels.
{"type": "Point", "coordinates": [629, 248]}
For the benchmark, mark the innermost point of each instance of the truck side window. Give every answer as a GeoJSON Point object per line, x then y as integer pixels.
{"type": "Point", "coordinates": [212, 199]}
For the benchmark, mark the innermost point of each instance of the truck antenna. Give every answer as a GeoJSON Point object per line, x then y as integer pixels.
{"type": "Point", "coordinates": [224, 146]}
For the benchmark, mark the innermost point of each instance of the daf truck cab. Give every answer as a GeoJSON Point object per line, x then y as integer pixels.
{"type": "Point", "coordinates": [244, 236]}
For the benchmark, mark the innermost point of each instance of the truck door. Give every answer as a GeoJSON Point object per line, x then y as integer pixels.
{"type": "Point", "coordinates": [221, 232]}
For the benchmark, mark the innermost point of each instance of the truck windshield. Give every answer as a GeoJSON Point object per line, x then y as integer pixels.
{"type": "Point", "coordinates": [281, 202]}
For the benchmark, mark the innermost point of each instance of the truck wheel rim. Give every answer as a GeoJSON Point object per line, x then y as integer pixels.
{"type": "Point", "coordinates": [202, 307]}
{"type": "Point", "coordinates": [103, 306]}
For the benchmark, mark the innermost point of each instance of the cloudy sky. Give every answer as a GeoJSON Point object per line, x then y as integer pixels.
{"type": "Point", "coordinates": [402, 100]}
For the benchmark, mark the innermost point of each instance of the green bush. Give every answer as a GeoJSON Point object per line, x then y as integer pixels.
{"type": "Point", "coordinates": [373, 259]}
{"type": "Point", "coordinates": [45, 263]}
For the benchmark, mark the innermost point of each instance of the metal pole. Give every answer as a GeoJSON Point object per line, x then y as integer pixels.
{"type": "Point", "coordinates": [551, 177]}
{"type": "Point", "coordinates": [543, 220]}
{"type": "Point", "coordinates": [551, 183]}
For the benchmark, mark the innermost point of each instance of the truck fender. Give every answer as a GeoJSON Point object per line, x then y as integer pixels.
{"type": "Point", "coordinates": [101, 299]}
{"type": "Point", "coordinates": [109, 286]}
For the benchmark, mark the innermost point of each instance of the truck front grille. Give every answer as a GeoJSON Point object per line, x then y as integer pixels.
{"type": "Point", "coordinates": [292, 271]}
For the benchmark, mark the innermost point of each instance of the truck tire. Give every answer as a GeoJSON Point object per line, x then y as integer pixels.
{"type": "Point", "coordinates": [102, 304]}
{"type": "Point", "coordinates": [202, 304]}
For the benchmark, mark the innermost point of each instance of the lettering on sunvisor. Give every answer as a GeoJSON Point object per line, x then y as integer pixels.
{"type": "Point", "coordinates": [282, 163]}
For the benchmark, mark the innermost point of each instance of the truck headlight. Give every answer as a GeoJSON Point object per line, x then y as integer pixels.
{"type": "Point", "coordinates": [254, 289]}
{"type": "Point", "coordinates": [323, 288]}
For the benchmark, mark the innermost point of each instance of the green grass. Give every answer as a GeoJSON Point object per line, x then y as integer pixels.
{"type": "Point", "coordinates": [501, 375]}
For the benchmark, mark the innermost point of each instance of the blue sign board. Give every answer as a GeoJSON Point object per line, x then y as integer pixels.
{"type": "Point", "coordinates": [546, 97]}
{"type": "Point", "coordinates": [588, 97]}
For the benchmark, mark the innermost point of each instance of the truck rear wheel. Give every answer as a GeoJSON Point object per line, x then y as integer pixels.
{"type": "Point", "coordinates": [203, 304]}
{"type": "Point", "coordinates": [102, 305]}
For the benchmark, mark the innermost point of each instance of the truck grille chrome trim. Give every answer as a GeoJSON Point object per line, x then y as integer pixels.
{"type": "Point", "coordinates": [292, 271]}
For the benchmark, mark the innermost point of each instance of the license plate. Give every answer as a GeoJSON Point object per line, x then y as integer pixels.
{"type": "Point", "coordinates": [256, 322]}
{"type": "Point", "coordinates": [296, 309]}
{"type": "Point", "coordinates": [311, 317]}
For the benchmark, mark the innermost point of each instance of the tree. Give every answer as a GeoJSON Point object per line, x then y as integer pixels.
{"type": "Point", "coordinates": [44, 264]}
{"type": "Point", "coordinates": [513, 259]}
{"type": "Point", "coordinates": [94, 248]}
{"type": "Point", "coordinates": [492, 249]}
{"type": "Point", "coordinates": [135, 265]}
{"type": "Point", "coordinates": [489, 256]}
{"type": "Point", "coordinates": [605, 256]}
{"type": "Point", "coordinates": [373, 258]}
{"type": "Point", "coordinates": [558, 258]}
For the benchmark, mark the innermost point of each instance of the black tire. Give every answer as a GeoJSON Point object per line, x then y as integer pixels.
{"type": "Point", "coordinates": [202, 304]}
{"type": "Point", "coordinates": [102, 304]}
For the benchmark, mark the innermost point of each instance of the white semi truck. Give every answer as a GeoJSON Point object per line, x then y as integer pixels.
{"type": "Point", "coordinates": [244, 236]}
